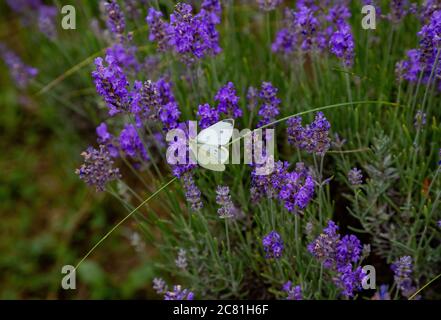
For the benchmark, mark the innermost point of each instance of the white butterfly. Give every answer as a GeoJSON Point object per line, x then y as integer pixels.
{"type": "Point", "coordinates": [209, 146]}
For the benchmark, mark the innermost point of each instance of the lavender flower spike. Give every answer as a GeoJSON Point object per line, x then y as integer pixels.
{"type": "Point", "coordinates": [273, 245]}
{"type": "Point", "coordinates": [223, 199]}
{"type": "Point", "coordinates": [355, 177]}
{"type": "Point", "coordinates": [97, 169]}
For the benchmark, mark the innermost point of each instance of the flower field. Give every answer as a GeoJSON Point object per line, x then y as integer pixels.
{"type": "Point", "coordinates": [320, 122]}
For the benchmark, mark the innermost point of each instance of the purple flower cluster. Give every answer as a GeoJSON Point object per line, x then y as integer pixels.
{"type": "Point", "coordinates": [269, 108]}
{"type": "Point", "coordinates": [293, 292]}
{"type": "Point", "coordinates": [402, 269]}
{"type": "Point", "coordinates": [159, 286]}
{"type": "Point", "coordinates": [107, 139]}
{"type": "Point", "coordinates": [398, 10]}
{"type": "Point", "coordinates": [421, 61]}
{"type": "Point", "coordinates": [295, 189]}
{"type": "Point", "coordinates": [268, 185]}
{"type": "Point", "coordinates": [115, 18]}
{"type": "Point", "coordinates": [228, 101]}
{"type": "Point", "coordinates": [355, 177]}
{"type": "Point", "coordinates": [191, 36]}
{"type": "Point", "coordinates": [148, 100]}
{"type": "Point", "coordinates": [112, 84]}
{"type": "Point", "coordinates": [314, 138]}
{"type": "Point", "coordinates": [228, 105]}
{"type": "Point", "coordinates": [46, 15]}
{"type": "Point", "coordinates": [268, 5]}
{"type": "Point", "coordinates": [97, 169]}
{"type": "Point", "coordinates": [179, 293]}
{"type": "Point", "coordinates": [428, 7]}
{"type": "Point", "coordinates": [341, 43]}
{"type": "Point", "coordinates": [223, 199]}
{"type": "Point", "coordinates": [124, 56]}
{"type": "Point", "coordinates": [341, 256]}
{"type": "Point", "coordinates": [20, 72]}
{"type": "Point", "coordinates": [300, 31]}
{"type": "Point", "coordinates": [192, 192]}
{"type": "Point", "coordinates": [273, 245]}
{"type": "Point", "coordinates": [311, 27]}
{"type": "Point", "coordinates": [207, 115]}
{"type": "Point", "coordinates": [46, 21]}
{"type": "Point", "coordinates": [131, 143]}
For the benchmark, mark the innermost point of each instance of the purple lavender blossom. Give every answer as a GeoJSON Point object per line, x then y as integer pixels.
{"type": "Point", "coordinates": [314, 138]}
{"type": "Point", "coordinates": [213, 9]}
{"type": "Point", "coordinates": [324, 246]}
{"type": "Point", "coordinates": [169, 115]}
{"type": "Point", "coordinates": [223, 199]}
{"type": "Point", "coordinates": [115, 17]}
{"type": "Point", "coordinates": [165, 91]}
{"type": "Point", "coordinates": [159, 286]}
{"type": "Point", "coordinates": [147, 101]}
{"type": "Point", "coordinates": [349, 279]}
{"type": "Point", "coordinates": [269, 109]}
{"type": "Point", "coordinates": [293, 292]}
{"type": "Point", "coordinates": [268, 5]}
{"type": "Point", "coordinates": [103, 135]}
{"type": "Point", "coordinates": [159, 29]}
{"type": "Point", "coordinates": [207, 115]}
{"type": "Point", "coordinates": [21, 6]}
{"type": "Point", "coordinates": [340, 256]}
{"type": "Point", "coordinates": [268, 185]}
{"type": "Point", "coordinates": [302, 29]}
{"type": "Point", "coordinates": [402, 269]}
{"type": "Point", "coordinates": [297, 189]}
{"type": "Point", "coordinates": [398, 10]}
{"type": "Point", "coordinates": [342, 45]}
{"type": "Point", "coordinates": [105, 138]}
{"type": "Point", "coordinates": [191, 36]}
{"type": "Point", "coordinates": [421, 61]}
{"type": "Point", "coordinates": [285, 41]}
{"type": "Point", "coordinates": [273, 245]}
{"type": "Point", "coordinates": [192, 192]}
{"type": "Point", "coordinates": [428, 8]}
{"type": "Point", "coordinates": [308, 24]}
{"type": "Point", "coordinates": [228, 101]}
{"type": "Point", "coordinates": [131, 143]}
{"type": "Point", "coordinates": [46, 21]}
{"type": "Point", "coordinates": [348, 250]}
{"type": "Point", "coordinates": [111, 83]}
{"type": "Point", "coordinates": [355, 177]}
{"type": "Point", "coordinates": [155, 101]}
{"type": "Point", "coordinates": [97, 169]}
{"type": "Point", "coordinates": [179, 293]}
{"type": "Point", "coordinates": [338, 13]}
{"type": "Point", "coordinates": [20, 72]}
{"type": "Point", "coordinates": [124, 56]}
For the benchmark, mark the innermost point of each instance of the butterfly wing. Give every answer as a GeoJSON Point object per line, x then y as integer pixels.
{"type": "Point", "coordinates": [212, 157]}
{"type": "Point", "coordinates": [219, 134]}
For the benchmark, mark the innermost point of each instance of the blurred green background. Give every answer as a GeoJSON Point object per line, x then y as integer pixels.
{"type": "Point", "coordinates": [49, 217]}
